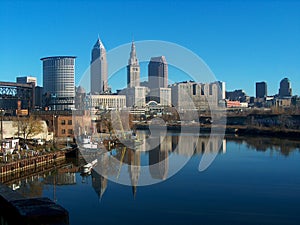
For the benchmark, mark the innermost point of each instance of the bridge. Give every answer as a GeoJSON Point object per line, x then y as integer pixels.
{"type": "Point", "coordinates": [11, 93]}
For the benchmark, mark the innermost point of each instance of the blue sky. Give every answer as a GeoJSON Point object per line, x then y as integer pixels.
{"type": "Point", "coordinates": [241, 41]}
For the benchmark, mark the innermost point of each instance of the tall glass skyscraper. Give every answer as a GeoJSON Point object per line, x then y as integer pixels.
{"type": "Point", "coordinates": [158, 72]}
{"type": "Point", "coordinates": [58, 81]}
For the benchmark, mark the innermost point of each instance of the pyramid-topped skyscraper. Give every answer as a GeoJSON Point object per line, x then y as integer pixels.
{"type": "Point", "coordinates": [99, 69]}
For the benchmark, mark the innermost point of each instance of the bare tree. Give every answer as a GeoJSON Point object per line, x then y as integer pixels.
{"type": "Point", "coordinates": [28, 127]}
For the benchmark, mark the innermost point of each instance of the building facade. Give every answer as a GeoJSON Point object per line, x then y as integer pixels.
{"type": "Point", "coordinates": [191, 95]}
{"type": "Point", "coordinates": [161, 96]}
{"type": "Point", "coordinates": [285, 89]}
{"type": "Point", "coordinates": [158, 72]}
{"type": "Point", "coordinates": [98, 69]}
{"type": "Point", "coordinates": [27, 80]}
{"type": "Point", "coordinates": [106, 102]}
{"type": "Point", "coordinates": [59, 81]}
{"type": "Point", "coordinates": [261, 90]}
{"type": "Point", "coordinates": [133, 69]}
{"type": "Point", "coordinates": [135, 96]}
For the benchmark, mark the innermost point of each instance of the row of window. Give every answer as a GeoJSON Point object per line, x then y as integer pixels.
{"type": "Point", "coordinates": [63, 122]}
{"type": "Point", "coordinates": [63, 131]}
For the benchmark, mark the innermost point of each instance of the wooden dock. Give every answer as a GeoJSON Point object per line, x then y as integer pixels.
{"type": "Point", "coordinates": [31, 163]}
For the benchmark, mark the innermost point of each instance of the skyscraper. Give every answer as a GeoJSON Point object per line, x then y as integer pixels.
{"type": "Point", "coordinates": [133, 69]}
{"type": "Point", "coordinates": [158, 72]}
{"type": "Point", "coordinates": [285, 89]}
{"type": "Point", "coordinates": [99, 69]}
{"type": "Point", "coordinates": [58, 81]}
{"type": "Point", "coordinates": [261, 89]}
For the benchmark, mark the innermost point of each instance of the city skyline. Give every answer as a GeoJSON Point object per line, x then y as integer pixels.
{"type": "Point", "coordinates": [261, 45]}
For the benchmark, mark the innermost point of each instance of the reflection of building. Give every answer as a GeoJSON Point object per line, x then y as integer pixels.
{"type": "Point", "coordinates": [159, 157]}
{"type": "Point", "coordinates": [285, 89]}
{"type": "Point", "coordinates": [193, 95]}
{"type": "Point", "coordinates": [133, 69]}
{"type": "Point", "coordinates": [189, 145]}
{"type": "Point", "coordinates": [134, 158]}
{"type": "Point", "coordinates": [99, 184]}
{"type": "Point", "coordinates": [158, 72]}
{"type": "Point", "coordinates": [99, 83]}
{"type": "Point", "coordinates": [58, 81]}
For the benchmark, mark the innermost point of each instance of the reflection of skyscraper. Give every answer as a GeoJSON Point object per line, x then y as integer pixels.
{"type": "Point", "coordinates": [158, 72]}
{"type": "Point", "coordinates": [158, 158]}
{"type": "Point", "coordinates": [134, 158]}
{"type": "Point", "coordinates": [285, 89]}
{"type": "Point", "coordinates": [133, 69]}
{"type": "Point", "coordinates": [99, 69]}
{"type": "Point", "coordinates": [99, 184]}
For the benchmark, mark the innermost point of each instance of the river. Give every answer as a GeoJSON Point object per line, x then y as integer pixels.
{"type": "Point", "coordinates": [242, 180]}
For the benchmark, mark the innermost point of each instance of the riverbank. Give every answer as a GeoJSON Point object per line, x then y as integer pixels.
{"type": "Point", "coordinates": [32, 162]}
{"type": "Point", "coordinates": [228, 129]}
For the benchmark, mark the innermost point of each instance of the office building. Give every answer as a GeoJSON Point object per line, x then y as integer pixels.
{"type": "Point", "coordinates": [190, 95]}
{"type": "Point", "coordinates": [285, 89]}
{"type": "Point", "coordinates": [27, 80]}
{"type": "Point", "coordinates": [158, 72]}
{"type": "Point", "coordinates": [261, 90]}
{"type": "Point", "coordinates": [98, 69]}
{"type": "Point", "coordinates": [58, 81]}
{"type": "Point", "coordinates": [106, 102]}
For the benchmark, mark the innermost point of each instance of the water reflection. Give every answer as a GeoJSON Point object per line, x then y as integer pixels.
{"type": "Point", "coordinates": [129, 161]}
{"type": "Point", "coordinates": [283, 146]}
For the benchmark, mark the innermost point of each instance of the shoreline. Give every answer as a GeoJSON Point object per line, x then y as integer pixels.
{"type": "Point", "coordinates": [241, 130]}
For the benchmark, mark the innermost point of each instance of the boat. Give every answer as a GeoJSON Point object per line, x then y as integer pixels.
{"type": "Point", "coordinates": [87, 144]}
{"type": "Point", "coordinates": [87, 168]}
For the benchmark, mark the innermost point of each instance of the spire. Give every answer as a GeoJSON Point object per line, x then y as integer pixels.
{"type": "Point", "coordinates": [99, 44]}
{"type": "Point", "coordinates": [133, 59]}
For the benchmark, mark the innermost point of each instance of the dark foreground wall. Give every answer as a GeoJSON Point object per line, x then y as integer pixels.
{"type": "Point", "coordinates": [15, 209]}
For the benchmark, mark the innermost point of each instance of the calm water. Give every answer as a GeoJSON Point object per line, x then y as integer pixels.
{"type": "Point", "coordinates": [251, 181]}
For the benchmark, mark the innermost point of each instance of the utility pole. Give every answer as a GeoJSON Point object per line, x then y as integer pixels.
{"type": "Point", "coordinates": [1, 110]}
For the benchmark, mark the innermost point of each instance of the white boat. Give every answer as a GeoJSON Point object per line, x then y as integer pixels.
{"type": "Point", "coordinates": [88, 144]}
{"type": "Point", "coordinates": [88, 167]}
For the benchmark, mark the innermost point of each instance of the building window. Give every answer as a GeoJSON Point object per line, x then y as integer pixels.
{"type": "Point", "coordinates": [69, 122]}
{"type": "Point", "coordinates": [63, 122]}
{"type": "Point", "coordinates": [210, 89]}
{"type": "Point", "coordinates": [194, 89]}
{"type": "Point", "coordinates": [70, 131]}
{"type": "Point", "coordinates": [202, 89]}
{"type": "Point", "coordinates": [63, 131]}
